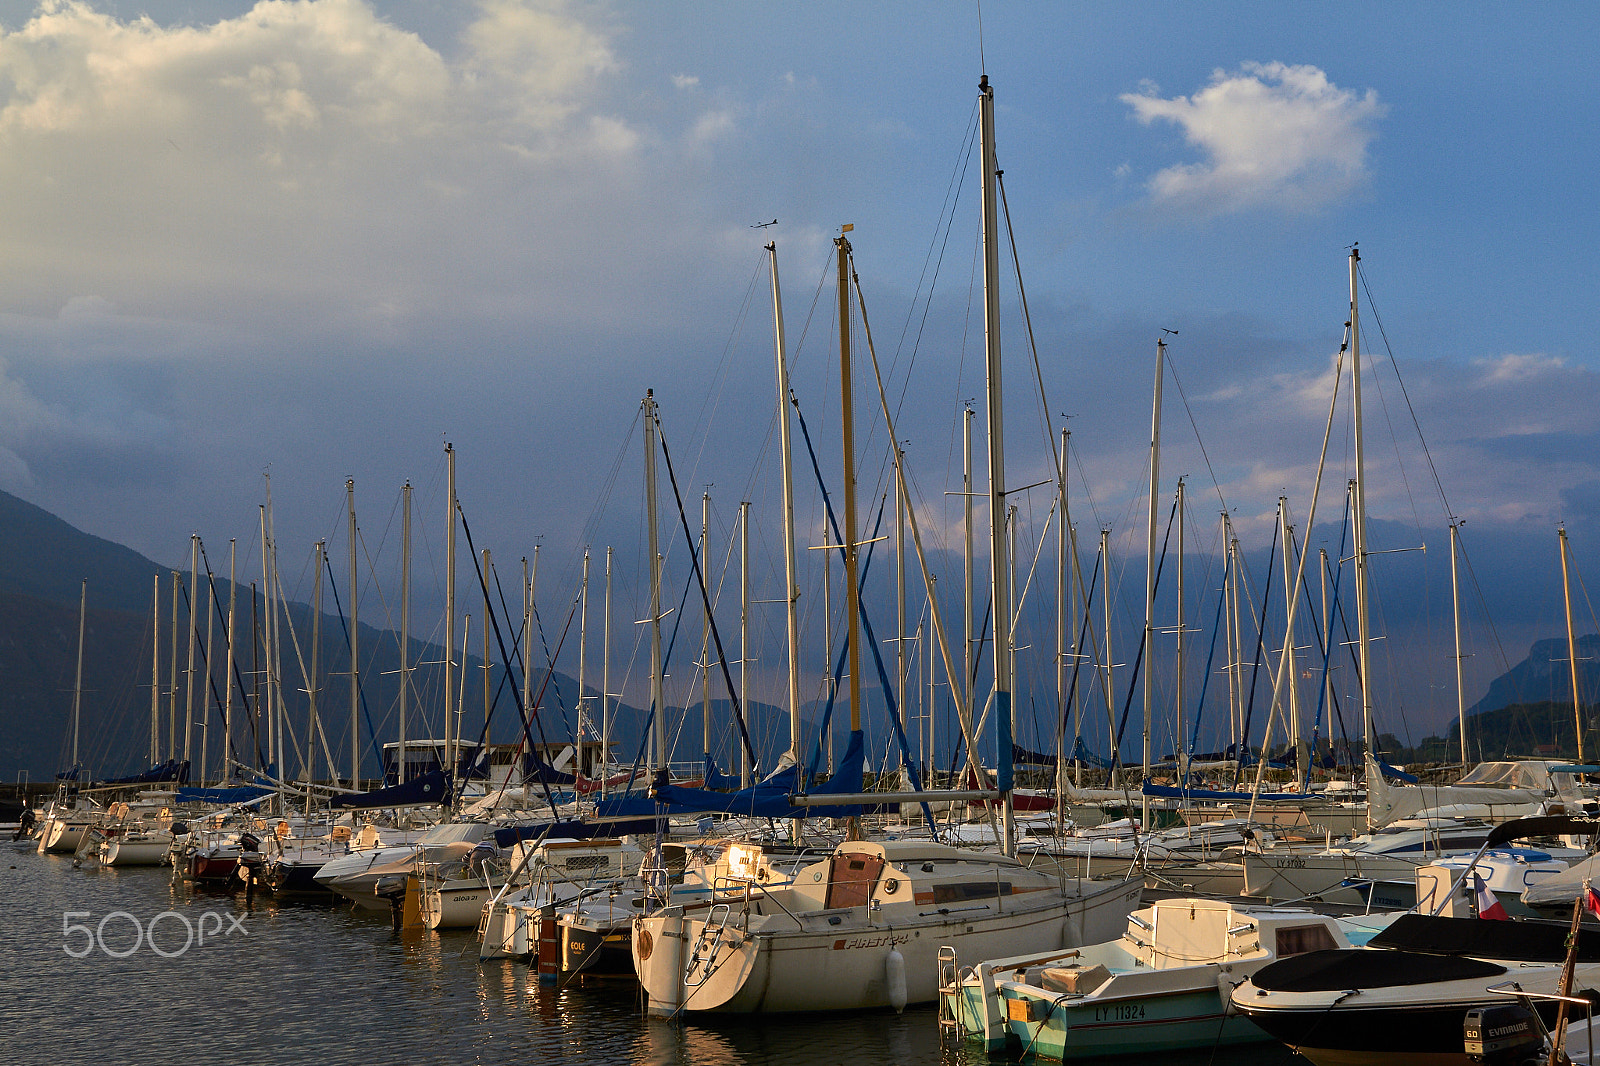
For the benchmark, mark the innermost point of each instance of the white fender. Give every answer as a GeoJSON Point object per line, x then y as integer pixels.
{"type": "Point", "coordinates": [894, 972]}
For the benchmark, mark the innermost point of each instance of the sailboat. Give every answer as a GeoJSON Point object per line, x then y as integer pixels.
{"type": "Point", "coordinates": [863, 928]}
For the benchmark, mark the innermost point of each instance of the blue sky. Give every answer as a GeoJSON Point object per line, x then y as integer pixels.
{"type": "Point", "coordinates": [325, 237]}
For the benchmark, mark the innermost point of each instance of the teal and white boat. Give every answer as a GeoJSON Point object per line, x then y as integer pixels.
{"type": "Point", "coordinates": [1163, 985]}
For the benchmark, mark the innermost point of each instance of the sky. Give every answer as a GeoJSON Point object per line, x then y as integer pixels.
{"type": "Point", "coordinates": [320, 239]}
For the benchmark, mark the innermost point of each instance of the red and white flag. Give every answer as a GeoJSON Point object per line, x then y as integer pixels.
{"type": "Point", "coordinates": [1591, 900]}
{"type": "Point", "coordinates": [1488, 904]}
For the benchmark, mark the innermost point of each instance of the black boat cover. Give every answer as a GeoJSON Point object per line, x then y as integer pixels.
{"type": "Point", "coordinates": [1523, 940]}
{"type": "Point", "coordinates": [1346, 968]}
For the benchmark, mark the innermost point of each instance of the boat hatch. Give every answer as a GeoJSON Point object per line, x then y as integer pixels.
{"type": "Point", "coordinates": [850, 879]}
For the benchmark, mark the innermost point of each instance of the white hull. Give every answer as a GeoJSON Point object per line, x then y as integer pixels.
{"type": "Point", "coordinates": [840, 959]}
{"type": "Point", "coordinates": [135, 852]}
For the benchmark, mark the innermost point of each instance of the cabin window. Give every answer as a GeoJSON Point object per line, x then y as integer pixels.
{"type": "Point", "coordinates": [965, 890]}
{"type": "Point", "coordinates": [1299, 939]}
{"type": "Point", "coordinates": [588, 862]}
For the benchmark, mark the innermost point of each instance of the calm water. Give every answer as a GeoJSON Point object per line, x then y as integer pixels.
{"type": "Point", "coordinates": [322, 985]}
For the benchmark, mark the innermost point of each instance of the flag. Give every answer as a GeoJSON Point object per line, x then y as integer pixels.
{"type": "Point", "coordinates": [1488, 905]}
{"type": "Point", "coordinates": [1591, 900]}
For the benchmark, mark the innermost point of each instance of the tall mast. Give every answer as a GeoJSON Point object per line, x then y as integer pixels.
{"type": "Point", "coordinates": [746, 771]}
{"type": "Point", "coordinates": [1455, 604]}
{"type": "Point", "coordinates": [205, 727]}
{"type": "Point", "coordinates": [1150, 574]}
{"type": "Point", "coordinates": [155, 674]}
{"type": "Point", "coordinates": [172, 695]}
{"type": "Point", "coordinates": [791, 593]}
{"type": "Point", "coordinates": [1180, 755]}
{"type": "Point", "coordinates": [355, 635]}
{"type": "Point", "coordinates": [449, 608]}
{"type": "Point", "coordinates": [605, 681]}
{"type": "Point", "coordinates": [488, 664]}
{"type": "Point", "coordinates": [77, 683]}
{"type": "Point", "coordinates": [583, 653]}
{"type": "Point", "coordinates": [227, 666]}
{"type": "Point", "coordinates": [1572, 644]}
{"type": "Point", "coordinates": [314, 687]}
{"type": "Point", "coordinates": [657, 697]}
{"type": "Point", "coordinates": [969, 573]}
{"type": "Point", "coordinates": [1363, 629]}
{"type": "Point", "coordinates": [1063, 596]}
{"type": "Point", "coordinates": [999, 566]}
{"type": "Point", "coordinates": [405, 625]}
{"type": "Point", "coordinates": [1105, 604]}
{"type": "Point", "coordinates": [194, 618]}
{"type": "Point", "coordinates": [705, 631]}
{"type": "Point", "coordinates": [852, 608]}
{"type": "Point", "coordinates": [1286, 538]}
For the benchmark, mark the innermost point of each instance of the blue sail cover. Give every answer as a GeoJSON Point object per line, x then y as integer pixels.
{"type": "Point", "coordinates": [429, 788]}
{"type": "Point", "coordinates": [171, 770]}
{"type": "Point", "coordinates": [770, 797]}
{"type": "Point", "coordinates": [536, 771]}
{"type": "Point", "coordinates": [240, 794]}
{"type": "Point", "coordinates": [1396, 774]}
{"type": "Point", "coordinates": [716, 780]}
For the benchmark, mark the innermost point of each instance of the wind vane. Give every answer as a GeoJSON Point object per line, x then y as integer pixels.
{"type": "Point", "coordinates": [764, 225]}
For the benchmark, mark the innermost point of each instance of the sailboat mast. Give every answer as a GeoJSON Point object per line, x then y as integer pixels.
{"type": "Point", "coordinates": [449, 607]}
{"type": "Point", "coordinates": [847, 418]}
{"type": "Point", "coordinates": [155, 673]}
{"type": "Point", "coordinates": [188, 677]}
{"type": "Point", "coordinates": [77, 683]}
{"type": "Point", "coordinates": [746, 771]}
{"type": "Point", "coordinates": [1572, 644]}
{"type": "Point", "coordinates": [1286, 539]}
{"type": "Point", "coordinates": [1105, 605]}
{"type": "Point", "coordinates": [1063, 595]}
{"type": "Point", "coordinates": [791, 594]}
{"type": "Point", "coordinates": [315, 685]}
{"type": "Point", "coordinates": [355, 636]}
{"type": "Point", "coordinates": [705, 631]}
{"type": "Point", "coordinates": [605, 680]}
{"type": "Point", "coordinates": [657, 701]}
{"type": "Point", "coordinates": [405, 625]}
{"type": "Point", "coordinates": [969, 570]}
{"type": "Point", "coordinates": [1363, 630]}
{"type": "Point", "coordinates": [205, 726]}
{"type": "Point", "coordinates": [999, 566]}
{"type": "Point", "coordinates": [1179, 754]}
{"type": "Point", "coordinates": [1150, 575]}
{"type": "Point", "coordinates": [227, 666]}
{"type": "Point", "coordinates": [1455, 605]}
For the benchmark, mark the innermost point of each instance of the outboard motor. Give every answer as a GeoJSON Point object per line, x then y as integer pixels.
{"type": "Point", "coordinates": [180, 829]}
{"type": "Point", "coordinates": [1502, 1035]}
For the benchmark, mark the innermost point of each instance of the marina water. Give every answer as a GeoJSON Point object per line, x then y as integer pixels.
{"type": "Point", "coordinates": [126, 965]}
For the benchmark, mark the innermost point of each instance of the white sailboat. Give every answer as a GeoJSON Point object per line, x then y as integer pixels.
{"type": "Point", "coordinates": [863, 928]}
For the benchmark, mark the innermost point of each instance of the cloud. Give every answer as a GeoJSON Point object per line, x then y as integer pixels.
{"type": "Point", "coordinates": [307, 157]}
{"type": "Point", "coordinates": [684, 81]}
{"type": "Point", "coordinates": [1274, 136]}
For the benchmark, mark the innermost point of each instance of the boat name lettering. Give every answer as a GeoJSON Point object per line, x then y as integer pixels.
{"type": "Point", "coordinates": [888, 940]}
{"type": "Point", "coordinates": [1120, 1012]}
{"type": "Point", "coordinates": [1290, 864]}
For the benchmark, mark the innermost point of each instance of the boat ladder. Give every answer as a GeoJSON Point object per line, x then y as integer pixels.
{"type": "Point", "coordinates": [950, 1004]}
{"type": "Point", "coordinates": [706, 946]}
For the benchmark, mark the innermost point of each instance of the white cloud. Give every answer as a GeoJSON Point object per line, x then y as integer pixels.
{"type": "Point", "coordinates": [1274, 135]}
{"type": "Point", "coordinates": [684, 81]}
{"type": "Point", "coordinates": [308, 154]}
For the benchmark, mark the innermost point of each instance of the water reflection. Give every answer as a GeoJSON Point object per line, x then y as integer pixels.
{"type": "Point", "coordinates": [320, 984]}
